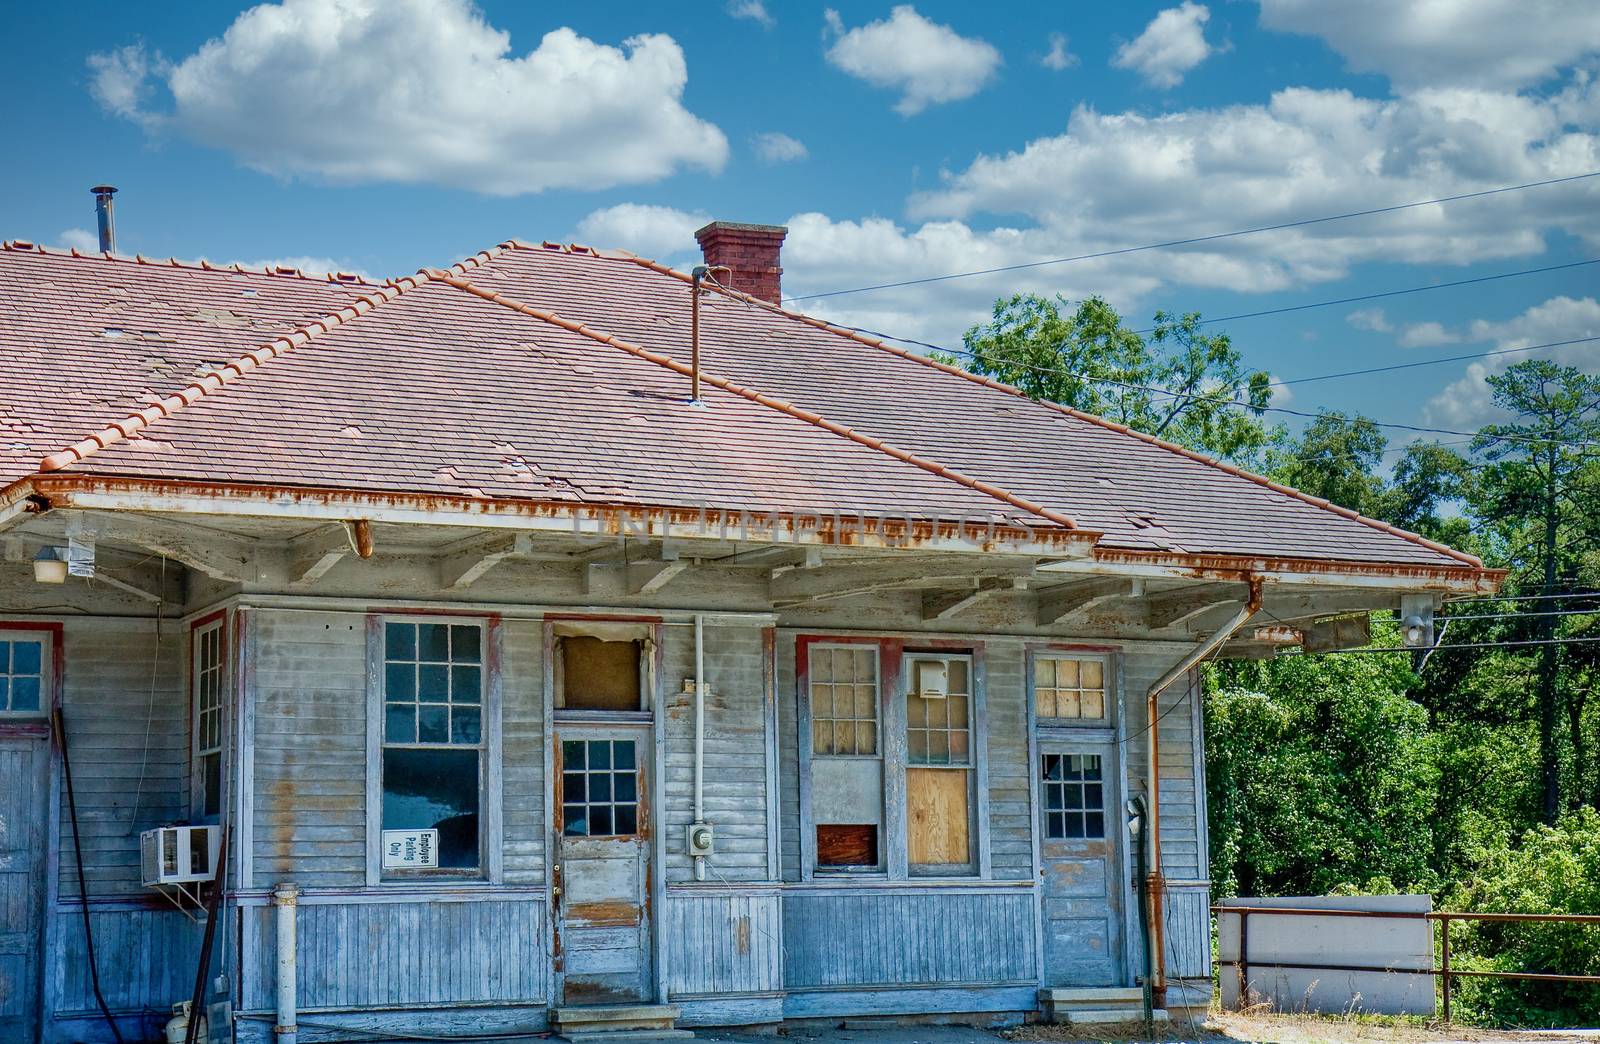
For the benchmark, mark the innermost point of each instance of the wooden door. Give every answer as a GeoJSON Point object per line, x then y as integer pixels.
{"type": "Point", "coordinates": [1080, 848]}
{"type": "Point", "coordinates": [24, 770]}
{"type": "Point", "coordinates": [603, 871]}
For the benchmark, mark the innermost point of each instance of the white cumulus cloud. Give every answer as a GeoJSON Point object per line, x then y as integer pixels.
{"type": "Point", "coordinates": [928, 63]}
{"type": "Point", "coordinates": [1477, 43]}
{"type": "Point", "coordinates": [648, 230]}
{"type": "Point", "coordinates": [1427, 335]}
{"type": "Point", "coordinates": [1372, 319]}
{"type": "Point", "coordinates": [1173, 43]}
{"type": "Point", "coordinates": [1466, 404]}
{"type": "Point", "coordinates": [421, 91]}
{"type": "Point", "coordinates": [1058, 57]}
{"type": "Point", "coordinates": [752, 10]}
{"type": "Point", "coordinates": [776, 147]}
{"type": "Point", "coordinates": [80, 239]}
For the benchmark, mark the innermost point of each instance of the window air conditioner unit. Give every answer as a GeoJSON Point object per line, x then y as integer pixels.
{"type": "Point", "coordinates": [933, 679]}
{"type": "Point", "coordinates": [179, 855]}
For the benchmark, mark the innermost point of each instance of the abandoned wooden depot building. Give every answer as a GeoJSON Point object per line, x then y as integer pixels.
{"type": "Point", "coordinates": [556, 640]}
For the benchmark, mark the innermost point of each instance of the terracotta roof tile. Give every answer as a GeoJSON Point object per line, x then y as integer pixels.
{"type": "Point", "coordinates": [556, 372]}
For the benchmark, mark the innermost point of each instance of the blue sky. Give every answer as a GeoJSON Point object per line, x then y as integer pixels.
{"type": "Point", "coordinates": [896, 141]}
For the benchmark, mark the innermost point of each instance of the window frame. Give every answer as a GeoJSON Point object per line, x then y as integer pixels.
{"type": "Point", "coordinates": [491, 837]}
{"type": "Point", "coordinates": [894, 655]}
{"type": "Point", "coordinates": [1068, 784]}
{"type": "Point", "coordinates": [214, 624]}
{"type": "Point", "coordinates": [49, 638]}
{"type": "Point", "coordinates": [969, 766]}
{"type": "Point", "coordinates": [1092, 729]}
{"type": "Point", "coordinates": [877, 703]}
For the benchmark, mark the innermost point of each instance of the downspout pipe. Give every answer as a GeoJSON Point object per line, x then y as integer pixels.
{"type": "Point", "coordinates": [699, 734]}
{"type": "Point", "coordinates": [1155, 881]}
{"type": "Point", "coordinates": [285, 897]}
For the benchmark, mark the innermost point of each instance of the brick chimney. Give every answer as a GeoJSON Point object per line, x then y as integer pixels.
{"type": "Point", "coordinates": [751, 251]}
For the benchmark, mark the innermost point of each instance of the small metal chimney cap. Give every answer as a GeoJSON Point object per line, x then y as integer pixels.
{"type": "Point", "coordinates": [104, 190]}
{"type": "Point", "coordinates": [103, 217]}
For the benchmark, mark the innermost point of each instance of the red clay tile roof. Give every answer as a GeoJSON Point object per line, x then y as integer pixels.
{"type": "Point", "coordinates": [544, 372]}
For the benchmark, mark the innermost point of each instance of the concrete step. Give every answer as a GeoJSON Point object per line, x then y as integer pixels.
{"type": "Point", "coordinates": [1107, 1017]}
{"type": "Point", "coordinates": [615, 1036]}
{"type": "Point", "coordinates": [1092, 997]}
{"type": "Point", "coordinates": [611, 1020]}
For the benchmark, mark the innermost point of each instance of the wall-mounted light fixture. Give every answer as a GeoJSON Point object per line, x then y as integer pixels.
{"type": "Point", "coordinates": [50, 566]}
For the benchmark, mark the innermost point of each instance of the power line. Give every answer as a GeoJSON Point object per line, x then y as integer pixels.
{"type": "Point", "coordinates": [1465, 645]}
{"type": "Point", "coordinates": [1193, 240]}
{"type": "Point", "coordinates": [1524, 616]}
{"type": "Point", "coordinates": [1432, 362]}
{"type": "Point", "coordinates": [1388, 293]}
{"type": "Point", "coordinates": [1527, 598]}
{"type": "Point", "coordinates": [1470, 435]}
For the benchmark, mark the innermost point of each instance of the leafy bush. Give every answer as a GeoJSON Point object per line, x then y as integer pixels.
{"type": "Point", "coordinates": [1553, 869]}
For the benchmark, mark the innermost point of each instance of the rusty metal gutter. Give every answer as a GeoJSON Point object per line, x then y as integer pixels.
{"type": "Point", "coordinates": [1156, 881]}
{"type": "Point", "coordinates": [575, 518]}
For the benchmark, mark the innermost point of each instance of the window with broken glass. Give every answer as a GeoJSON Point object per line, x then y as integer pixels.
{"type": "Point", "coordinates": [1074, 797]}
{"type": "Point", "coordinates": [433, 736]}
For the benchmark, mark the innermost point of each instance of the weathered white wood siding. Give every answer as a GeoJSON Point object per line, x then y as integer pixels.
{"type": "Point", "coordinates": [310, 677]}
{"type": "Point", "coordinates": [871, 937]}
{"type": "Point", "coordinates": [1180, 833]}
{"type": "Point", "coordinates": [523, 750]}
{"type": "Point", "coordinates": [396, 951]}
{"type": "Point", "coordinates": [727, 941]}
{"type": "Point", "coordinates": [1010, 814]}
{"type": "Point", "coordinates": [126, 706]}
{"type": "Point", "coordinates": [735, 782]}
{"type": "Point", "coordinates": [146, 959]}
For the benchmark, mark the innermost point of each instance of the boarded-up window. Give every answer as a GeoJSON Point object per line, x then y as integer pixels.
{"type": "Point", "coordinates": [1069, 688]}
{"type": "Point", "coordinates": [844, 700]}
{"type": "Point", "coordinates": [597, 674]}
{"type": "Point", "coordinates": [847, 845]}
{"type": "Point", "coordinates": [938, 763]}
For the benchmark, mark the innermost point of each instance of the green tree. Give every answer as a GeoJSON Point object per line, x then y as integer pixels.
{"type": "Point", "coordinates": [1538, 493]}
{"type": "Point", "coordinates": [1182, 384]}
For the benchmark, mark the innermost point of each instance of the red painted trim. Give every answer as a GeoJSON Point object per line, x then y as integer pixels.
{"type": "Point", "coordinates": [1103, 650]}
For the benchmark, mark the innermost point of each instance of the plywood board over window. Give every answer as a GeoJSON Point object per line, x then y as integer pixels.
{"type": "Point", "coordinates": [937, 821]}
{"type": "Point", "coordinates": [600, 674]}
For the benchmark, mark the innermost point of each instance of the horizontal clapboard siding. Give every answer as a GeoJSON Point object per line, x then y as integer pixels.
{"type": "Point", "coordinates": [1010, 816]}
{"type": "Point", "coordinates": [735, 781]}
{"type": "Point", "coordinates": [871, 938]}
{"type": "Point", "coordinates": [723, 943]}
{"type": "Point", "coordinates": [125, 703]}
{"type": "Point", "coordinates": [436, 951]}
{"type": "Point", "coordinates": [1181, 857]}
{"type": "Point", "coordinates": [522, 744]}
{"type": "Point", "coordinates": [310, 675]}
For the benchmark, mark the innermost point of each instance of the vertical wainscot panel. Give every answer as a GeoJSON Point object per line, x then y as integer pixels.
{"type": "Point", "coordinates": [146, 959]}
{"type": "Point", "coordinates": [407, 951]}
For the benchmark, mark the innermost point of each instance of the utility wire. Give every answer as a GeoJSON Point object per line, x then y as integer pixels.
{"type": "Point", "coordinates": [1471, 435]}
{"type": "Point", "coordinates": [1524, 616]}
{"type": "Point", "coordinates": [1526, 598]}
{"type": "Point", "coordinates": [1389, 293]}
{"type": "Point", "coordinates": [1466, 645]}
{"type": "Point", "coordinates": [1432, 362]}
{"type": "Point", "coordinates": [1192, 240]}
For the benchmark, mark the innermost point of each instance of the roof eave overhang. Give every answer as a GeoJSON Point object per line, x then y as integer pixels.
{"type": "Point", "coordinates": [1453, 580]}
{"type": "Point", "coordinates": [564, 518]}
{"type": "Point", "coordinates": [1076, 548]}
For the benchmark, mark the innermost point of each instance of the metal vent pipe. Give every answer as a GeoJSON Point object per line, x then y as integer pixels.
{"type": "Point", "coordinates": [103, 215]}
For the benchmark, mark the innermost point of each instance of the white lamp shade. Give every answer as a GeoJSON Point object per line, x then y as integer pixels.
{"type": "Point", "coordinates": [50, 570]}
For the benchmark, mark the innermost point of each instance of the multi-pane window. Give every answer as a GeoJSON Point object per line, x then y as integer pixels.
{"type": "Point", "coordinates": [599, 788]}
{"type": "Point", "coordinates": [938, 762]}
{"type": "Point", "coordinates": [844, 700]}
{"type": "Point", "coordinates": [433, 735]}
{"type": "Point", "coordinates": [1069, 688]}
{"type": "Point", "coordinates": [21, 676]}
{"type": "Point", "coordinates": [206, 678]}
{"type": "Point", "coordinates": [1074, 797]}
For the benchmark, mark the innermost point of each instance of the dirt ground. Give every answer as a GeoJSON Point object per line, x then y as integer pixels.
{"type": "Point", "coordinates": [1230, 1028]}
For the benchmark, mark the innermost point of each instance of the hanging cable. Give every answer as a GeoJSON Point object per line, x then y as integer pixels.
{"type": "Point", "coordinates": [1193, 240]}
{"type": "Point", "coordinates": [1432, 362]}
{"type": "Point", "coordinates": [1130, 386]}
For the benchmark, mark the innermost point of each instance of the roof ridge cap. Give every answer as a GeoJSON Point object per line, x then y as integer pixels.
{"type": "Point", "coordinates": [227, 373]}
{"type": "Point", "coordinates": [24, 246]}
{"type": "Point", "coordinates": [782, 406]}
{"type": "Point", "coordinates": [1091, 418]}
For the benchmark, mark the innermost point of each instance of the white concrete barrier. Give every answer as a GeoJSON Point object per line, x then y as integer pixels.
{"type": "Point", "coordinates": [1293, 961]}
